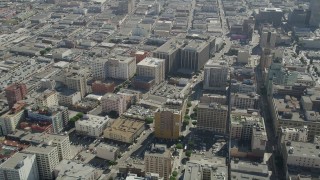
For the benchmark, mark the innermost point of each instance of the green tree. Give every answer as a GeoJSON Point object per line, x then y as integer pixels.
{"type": "Point", "coordinates": [80, 115]}
{"type": "Point", "coordinates": [189, 104]}
{"type": "Point", "coordinates": [186, 122]}
{"type": "Point", "coordinates": [48, 49]}
{"type": "Point", "coordinates": [194, 123]}
{"type": "Point", "coordinates": [187, 117]}
{"type": "Point", "coordinates": [149, 120]}
{"type": "Point", "coordinates": [179, 146]}
{"type": "Point", "coordinates": [112, 163]}
{"type": "Point", "coordinates": [42, 52]}
{"type": "Point", "coordinates": [188, 153]}
{"type": "Point", "coordinates": [113, 114]}
{"type": "Point", "coordinates": [173, 178]}
{"type": "Point", "coordinates": [181, 137]}
{"type": "Point", "coordinates": [174, 173]}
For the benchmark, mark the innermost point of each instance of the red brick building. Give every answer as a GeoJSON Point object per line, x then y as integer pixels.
{"type": "Point", "coordinates": [99, 87]}
{"type": "Point", "coordinates": [15, 92]}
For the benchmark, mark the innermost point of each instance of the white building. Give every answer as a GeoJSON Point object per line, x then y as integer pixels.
{"type": "Point", "coordinates": [21, 166]}
{"type": "Point", "coordinates": [113, 102]}
{"type": "Point", "coordinates": [107, 152]}
{"type": "Point", "coordinates": [91, 125]}
{"type": "Point", "coordinates": [47, 159]}
{"type": "Point", "coordinates": [68, 170]}
{"type": "Point", "coordinates": [48, 98]}
{"type": "Point", "coordinates": [10, 120]}
{"type": "Point", "coordinates": [69, 97]}
{"type": "Point", "coordinates": [152, 68]}
{"type": "Point", "coordinates": [117, 67]}
{"type": "Point", "coordinates": [215, 75]}
{"type": "Point", "coordinates": [294, 134]}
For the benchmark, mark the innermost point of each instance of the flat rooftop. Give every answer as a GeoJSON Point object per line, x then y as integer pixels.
{"type": "Point", "coordinates": [14, 162]}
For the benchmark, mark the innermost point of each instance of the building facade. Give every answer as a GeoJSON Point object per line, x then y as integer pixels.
{"type": "Point", "coordinates": [15, 92]}
{"type": "Point", "coordinates": [167, 123]}
{"type": "Point", "coordinates": [215, 75]}
{"type": "Point", "coordinates": [152, 68]}
{"type": "Point", "coordinates": [113, 102]}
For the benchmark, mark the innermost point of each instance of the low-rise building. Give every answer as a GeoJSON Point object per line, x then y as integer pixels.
{"type": "Point", "coordinates": [249, 170]}
{"type": "Point", "coordinates": [91, 125]}
{"type": "Point", "coordinates": [124, 130]}
{"type": "Point", "coordinates": [107, 152]}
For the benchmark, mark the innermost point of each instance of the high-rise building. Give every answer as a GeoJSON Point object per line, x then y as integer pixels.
{"type": "Point", "coordinates": [315, 13]}
{"type": "Point", "coordinates": [10, 120]}
{"type": "Point", "coordinates": [47, 159]}
{"type": "Point", "coordinates": [259, 141]}
{"type": "Point", "coordinates": [298, 17]}
{"type": "Point", "coordinates": [48, 98]}
{"type": "Point", "coordinates": [62, 143]}
{"type": "Point", "coordinates": [15, 92]}
{"type": "Point", "coordinates": [77, 82]}
{"type": "Point", "coordinates": [215, 75]}
{"type": "Point", "coordinates": [167, 123]}
{"type": "Point", "coordinates": [21, 166]}
{"type": "Point", "coordinates": [158, 160]}
{"type": "Point", "coordinates": [268, 37]}
{"type": "Point", "coordinates": [270, 15]}
{"type": "Point", "coordinates": [212, 117]}
{"type": "Point", "coordinates": [194, 55]}
{"type": "Point", "coordinates": [113, 102]}
{"type": "Point", "coordinates": [152, 68]}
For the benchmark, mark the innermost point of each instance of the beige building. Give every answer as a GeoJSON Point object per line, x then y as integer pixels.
{"type": "Point", "coordinates": [124, 130]}
{"type": "Point", "coordinates": [10, 120]}
{"type": "Point", "coordinates": [106, 151]}
{"type": "Point", "coordinates": [113, 102]}
{"type": "Point", "coordinates": [215, 75]}
{"type": "Point", "coordinates": [212, 117]}
{"type": "Point", "coordinates": [294, 134]}
{"type": "Point", "coordinates": [70, 170]}
{"type": "Point", "coordinates": [259, 141]}
{"type": "Point", "coordinates": [159, 160]}
{"type": "Point", "coordinates": [62, 142]}
{"type": "Point", "coordinates": [244, 101]}
{"type": "Point", "coordinates": [152, 68]}
{"type": "Point", "coordinates": [48, 98]}
{"type": "Point", "coordinates": [69, 97]}
{"type": "Point", "coordinates": [167, 123]}
{"type": "Point", "coordinates": [47, 159]}
{"type": "Point", "coordinates": [77, 82]}
{"type": "Point", "coordinates": [92, 125]}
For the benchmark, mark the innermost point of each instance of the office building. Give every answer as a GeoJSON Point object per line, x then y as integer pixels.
{"type": "Point", "coordinates": [215, 75]}
{"type": "Point", "coordinates": [15, 92]}
{"type": "Point", "coordinates": [243, 56]}
{"type": "Point", "coordinates": [294, 134]}
{"type": "Point", "coordinates": [315, 13]}
{"type": "Point", "coordinates": [101, 88]}
{"type": "Point", "coordinates": [167, 123]}
{"type": "Point", "coordinates": [69, 170]}
{"type": "Point", "coordinates": [91, 125]}
{"type": "Point", "coordinates": [194, 55]}
{"type": "Point", "coordinates": [106, 151]}
{"type": "Point", "coordinates": [249, 170]}
{"type": "Point", "coordinates": [212, 117]}
{"type": "Point", "coordinates": [68, 97]}
{"type": "Point", "coordinates": [170, 52]}
{"type": "Point", "coordinates": [47, 159]}
{"type": "Point", "coordinates": [152, 68]}
{"type": "Point", "coordinates": [48, 98]}
{"type": "Point", "coordinates": [158, 160]}
{"type": "Point", "coordinates": [245, 101]}
{"type": "Point", "coordinates": [99, 67]}
{"type": "Point", "coordinates": [10, 120]}
{"type": "Point", "coordinates": [298, 17]}
{"type": "Point", "coordinates": [124, 130]}
{"type": "Point", "coordinates": [21, 166]}
{"type": "Point", "coordinates": [113, 102]}
{"type": "Point", "coordinates": [268, 37]}
{"type": "Point", "coordinates": [270, 15]}
{"type": "Point", "coordinates": [259, 141]}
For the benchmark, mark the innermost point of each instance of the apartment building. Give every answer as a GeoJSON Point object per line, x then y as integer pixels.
{"type": "Point", "coordinates": [215, 75]}
{"type": "Point", "coordinates": [212, 117]}
{"type": "Point", "coordinates": [158, 160]}
{"type": "Point", "coordinates": [167, 123]}
{"type": "Point", "coordinates": [10, 120]}
{"type": "Point", "coordinates": [152, 68]}
{"type": "Point", "coordinates": [15, 92]}
{"type": "Point", "coordinates": [113, 102]}
{"type": "Point", "coordinates": [21, 166]}
{"type": "Point", "coordinates": [48, 98]}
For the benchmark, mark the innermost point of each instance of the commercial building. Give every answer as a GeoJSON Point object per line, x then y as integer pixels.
{"type": "Point", "coordinates": [60, 141]}
{"type": "Point", "coordinates": [77, 82]}
{"type": "Point", "coordinates": [107, 152]}
{"type": "Point", "coordinates": [167, 123]}
{"type": "Point", "coordinates": [215, 75]}
{"type": "Point", "coordinates": [194, 55]}
{"type": "Point", "coordinates": [74, 171]}
{"type": "Point", "coordinates": [15, 92]}
{"type": "Point", "coordinates": [158, 160]}
{"type": "Point", "coordinates": [243, 56]}
{"type": "Point", "coordinates": [10, 120]}
{"type": "Point", "coordinates": [212, 117]}
{"type": "Point", "coordinates": [101, 88]}
{"type": "Point", "coordinates": [21, 166]}
{"type": "Point", "coordinates": [124, 130]}
{"type": "Point", "coordinates": [47, 159]}
{"type": "Point", "coordinates": [113, 102]}
{"type": "Point", "coordinates": [91, 125]}
{"type": "Point", "coordinates": [294, 134]}
{"type": "Point", "coordinates": [245, 101]}
{"type": "Point", "coordinates": [152, 68]}
{"type": "Point", "coordinates": [116, 67]}
{"type": "Point", "coordinates": [315, 13]}
{"type": "Point", "coordinates": [48, 98]}
{"type": "Point", "coordinates": [270, 15]}
{"type": "Point", "coordinates": [249, 170]}
{"type": "Point", "coordinates": [259, 141]}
